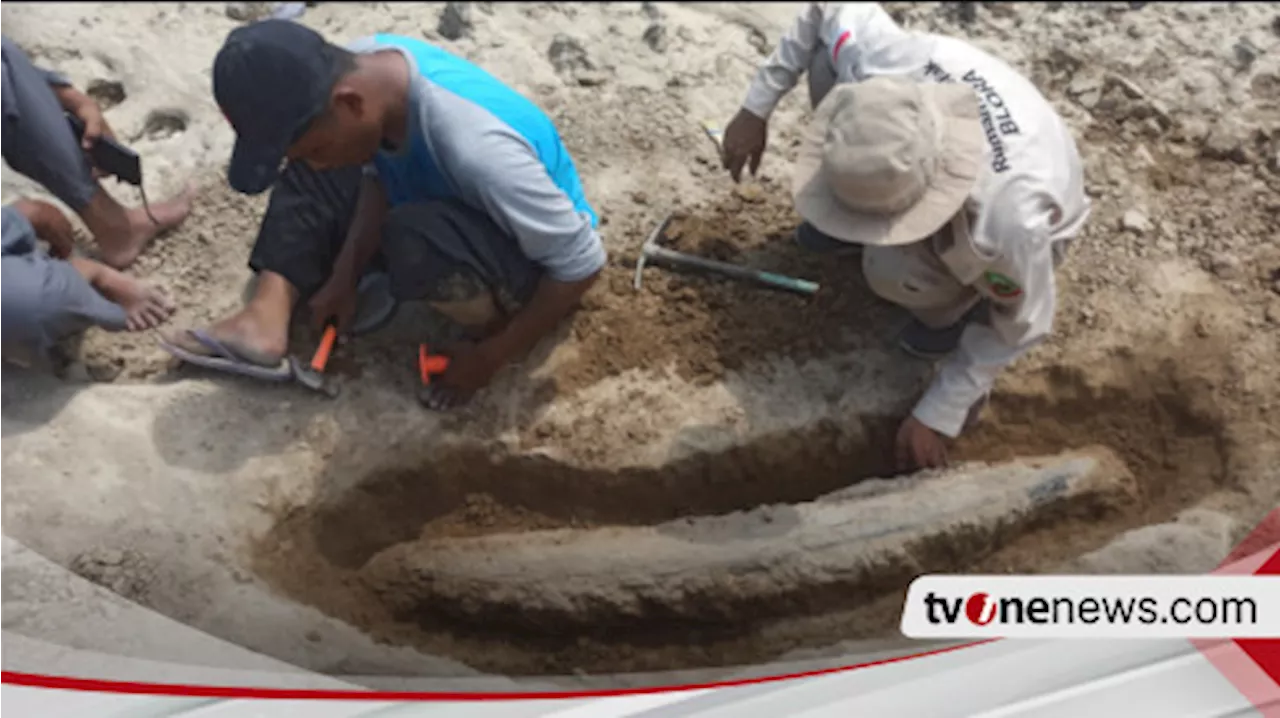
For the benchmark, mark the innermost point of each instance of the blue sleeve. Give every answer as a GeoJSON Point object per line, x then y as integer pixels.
{"type": "Point", "coordinates": [19, 237]}
{"type": "Point", "coordinates": [55, 79]}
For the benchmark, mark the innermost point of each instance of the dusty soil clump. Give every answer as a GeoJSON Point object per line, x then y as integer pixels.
{"type": "Point", "coordinates": [706, 325]}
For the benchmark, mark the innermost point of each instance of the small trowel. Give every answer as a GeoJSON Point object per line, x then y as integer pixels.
{"type": "Point", "coordinates": [312, 376]}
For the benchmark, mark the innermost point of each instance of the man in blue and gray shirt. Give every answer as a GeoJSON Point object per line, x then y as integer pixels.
{"type": "Point", "coordinates": [403, 156]}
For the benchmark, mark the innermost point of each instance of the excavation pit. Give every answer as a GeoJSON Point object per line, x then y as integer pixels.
{"type": "Point", "coordinates": [715, 571]}
{"type": "Point", "coordinates": [521, 563]}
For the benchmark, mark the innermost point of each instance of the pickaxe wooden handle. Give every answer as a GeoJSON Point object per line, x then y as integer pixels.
{"type": "Point", "coordinates": [652, 250]}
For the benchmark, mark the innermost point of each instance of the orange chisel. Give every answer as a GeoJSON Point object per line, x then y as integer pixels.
{"type": "Point", "coordinates": [429, 364]}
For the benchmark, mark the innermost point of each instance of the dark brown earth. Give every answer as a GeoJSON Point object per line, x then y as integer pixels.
{"type": "Point", "coordinates": [706, 325]}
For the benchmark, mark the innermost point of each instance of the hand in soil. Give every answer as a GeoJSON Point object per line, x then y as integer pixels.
{"type": "Point", "coordinates": [471, 368]}
{"type": "Point", "coordinates": [919, 447]}
{"type": "Point", "coordinates": [744, 139]}
{"type": "Point", "coordinates": [336, 301]}
{"type": "Point", "coordinates": [50, 224]}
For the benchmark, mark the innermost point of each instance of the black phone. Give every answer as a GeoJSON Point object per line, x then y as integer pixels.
{"type": "Point", "coordinates": [110, 156]}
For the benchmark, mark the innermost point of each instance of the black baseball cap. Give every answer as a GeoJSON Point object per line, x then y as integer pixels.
{"type": "Point", "coordinates": [271, 79]}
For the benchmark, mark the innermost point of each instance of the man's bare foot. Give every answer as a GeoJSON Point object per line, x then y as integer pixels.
{"type": "Point", "coordinates": [146, 307]}
{"type": "Point", "coordinates": [249, 333]}
{"type": "Point", "coordinates": [122, 252]}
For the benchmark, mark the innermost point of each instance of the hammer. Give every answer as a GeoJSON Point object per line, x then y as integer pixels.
{"type": "Point", "coordinates": [313, 376]}
{"type": "Point", "coordinates": [652, 250]}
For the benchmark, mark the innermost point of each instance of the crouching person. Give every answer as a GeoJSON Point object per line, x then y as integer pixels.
{"type": "Point", "coordinates": [50, 296]}
{"type": "Point", "coordinates": [959, 184]}
{"type": "Point", "coordinates": [903, 169]}
{"type": "Point", "coordinates": [403, 156]}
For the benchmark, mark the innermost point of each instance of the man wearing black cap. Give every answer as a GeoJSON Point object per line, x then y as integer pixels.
{"type": "Point", "coordinates": [402, 155]}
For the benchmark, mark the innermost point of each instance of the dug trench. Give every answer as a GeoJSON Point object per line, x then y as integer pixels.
{"type": "Point", "coordinates": [362, 548]}
{"type": "Point", "coordinates": [378, 555]}
{"type": "Point", "coordinates": [520, 562]}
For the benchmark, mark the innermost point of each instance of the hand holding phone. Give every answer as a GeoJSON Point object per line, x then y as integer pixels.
{"type": "Point", "coordinates": [109, 155]}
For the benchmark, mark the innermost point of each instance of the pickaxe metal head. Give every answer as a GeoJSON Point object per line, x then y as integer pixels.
{"type": "Point", "coordinates": [651, 241]}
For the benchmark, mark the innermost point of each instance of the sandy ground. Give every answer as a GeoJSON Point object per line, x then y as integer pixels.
{"type": "Point", "coordinates": [226, 505]}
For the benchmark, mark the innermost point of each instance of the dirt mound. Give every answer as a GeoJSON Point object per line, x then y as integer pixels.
{"type": "Point", "coordinates": [706, 325]}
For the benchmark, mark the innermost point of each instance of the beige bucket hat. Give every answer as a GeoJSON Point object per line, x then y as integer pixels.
{"type": "Point", "coordinates": [889, 161]}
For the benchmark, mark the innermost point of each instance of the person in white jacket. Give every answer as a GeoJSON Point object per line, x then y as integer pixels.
{"type": "Point", "coordinates": [957, 179]}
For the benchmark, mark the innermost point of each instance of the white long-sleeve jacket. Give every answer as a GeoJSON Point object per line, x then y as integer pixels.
{"type": "Point", "coordinates": [1031, 198]}
{"type": "Point", "coordinates": [808, 45]}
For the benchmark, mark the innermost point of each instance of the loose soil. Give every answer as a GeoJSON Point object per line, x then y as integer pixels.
{"type": "Point", "coordinates": [705, 325]}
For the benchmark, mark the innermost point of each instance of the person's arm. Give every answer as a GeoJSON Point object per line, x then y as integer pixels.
{"type": "Point", "coordinates": [781, 70]}
{"type": "Point", "coordinates": [842, 30]}
{"type": "Point", "coordinates": [56, 80]}
{"type": "Point", "coordinates": [68, 96]}
{"type": "Point", "coordinates": [74, 101]}
{"type": "Point", "coordinates": [364, 236]}
{"type": "Point", "coordinates": [335, 301]}
{"type": "Point", "coordinates": [551, 303]}
{"type": "Point", "coordinates": [19, 235]}
{"type": "Point", "coordinates": [511, 184]}
{"type": "Point", "coordinates": [863, 38]}
{"type": "Point", "coordinates": [27, 220]}
{"type": "Point", "coordinates": [71, 99]}
{"type": "Point", "coordinates": [1020, 319]}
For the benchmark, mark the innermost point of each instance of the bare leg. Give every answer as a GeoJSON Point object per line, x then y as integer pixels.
{"type": "Point", "coordinates": [38, 142]}
{"type": "Point", "coordinates": [260, 331]}
{"type": "Point", "coordinates": [123, 234]}
{"type": "Point", "coordinates": [145, 306]}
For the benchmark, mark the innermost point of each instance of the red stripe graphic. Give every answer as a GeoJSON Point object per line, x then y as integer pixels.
{"type": "Point", "coordinates": [172, 689]}
{"type": "Point", "coordinates": [835, 51]}
{"type": "Point", "coordinates": [1252, 665]}
{"type": "Point", "coordinates": [1266, 653]}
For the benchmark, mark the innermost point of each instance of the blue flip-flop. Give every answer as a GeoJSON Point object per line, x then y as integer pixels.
{"type": "Point", "coordinates": [226, 359]}
{"type": "Point", "coordinates": [376, 305]}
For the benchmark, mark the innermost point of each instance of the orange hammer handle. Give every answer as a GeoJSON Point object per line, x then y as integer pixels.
{"type": "Point", "coordinates": [321, 357]}
{"type": "Point", "coordinates": [429, 364]}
